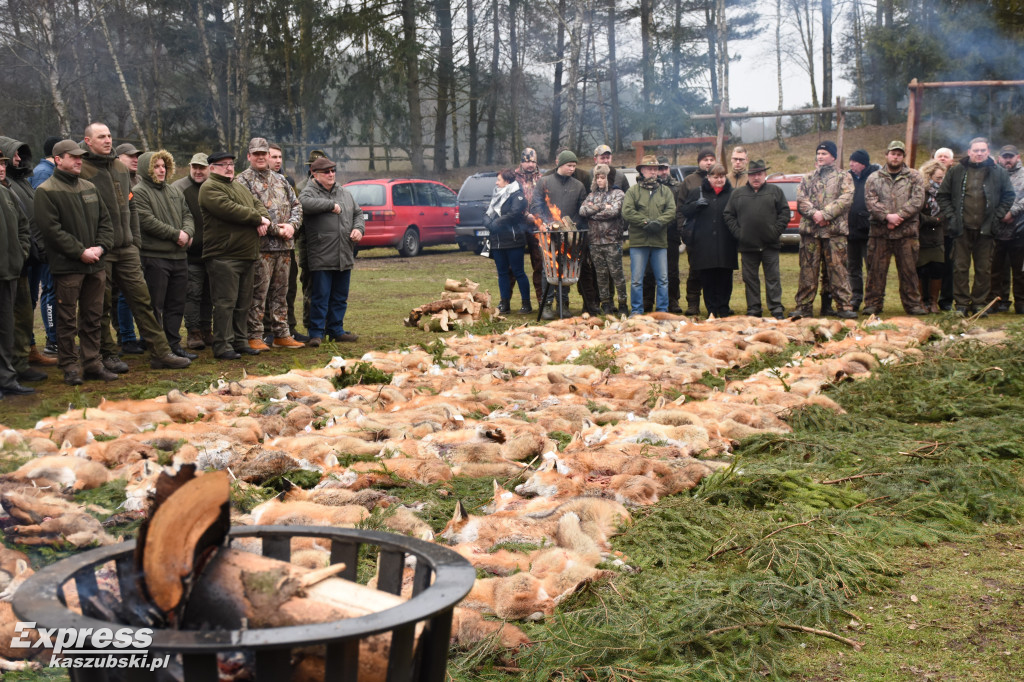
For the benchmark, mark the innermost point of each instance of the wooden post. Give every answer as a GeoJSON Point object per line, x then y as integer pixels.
{"type": "Point", "coordinates": [913, 117]}
{"type": "Point", "coordinates": [841, 124]}
{"type": "Point", "coordinates": [720, 139]}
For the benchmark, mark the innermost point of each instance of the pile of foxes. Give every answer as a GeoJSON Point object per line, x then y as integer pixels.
{"type": "Point", "coordinates": [582, 419]}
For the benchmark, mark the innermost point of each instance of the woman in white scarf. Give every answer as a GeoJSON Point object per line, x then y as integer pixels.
{"type": "Point", "coordinates": [506, 220]}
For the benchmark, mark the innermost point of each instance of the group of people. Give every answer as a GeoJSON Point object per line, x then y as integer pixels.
{"type": "Point", "coordinates": [935, 222]}
{"type": "Point", "coordinates": [101, 239]}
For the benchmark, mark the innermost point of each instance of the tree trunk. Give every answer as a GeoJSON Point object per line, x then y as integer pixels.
{"type": "Point", "coordinates": [723, 59]}
{"type": "Point", "coordinates": [573, 94]}
{"type": "Point", "coordinates": [49, 53]}
{"type": "Point", "coordinates": [517, 83]}
{"type": "Point", "coordinates": [556, 95]}
{"type": "Point", "coordinates": [778, 72]}
{"type": "Point", "coordinates": [858, 50]}
{"type": "Point", "coordinates": [613, 79]}
{"type": "Point", "coordinates": [474, 81]}
{"type": "Point", "coordinates": [492, 99]}
{"type": "Point", "coordinates": [826, 60]}
{"type": "Point", "coordinates": [445, 77]}
{"type": "Point", "coordinates": [455, 128]}
{"type": "Point", "coordinates": [120, 76]}
{"type": "Point", "coordinates": [879, 113]}
{"type": "Point", "coordinates": [647, 65]}
{"type": "Point", "coordinates": [410, 56]}
{"type": "Point", "coordinates": [712, 37]}
{"type": "Point", "coordinates": [211, 75]}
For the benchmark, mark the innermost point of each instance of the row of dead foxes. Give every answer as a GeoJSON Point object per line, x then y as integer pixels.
{"type": "Point", "coordinates": [496, 408]}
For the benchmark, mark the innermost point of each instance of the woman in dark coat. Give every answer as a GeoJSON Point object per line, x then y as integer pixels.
{"type": "Point", "coordinates": [506, 220]}
{"type": "Point", "coordinates": [712, 247]}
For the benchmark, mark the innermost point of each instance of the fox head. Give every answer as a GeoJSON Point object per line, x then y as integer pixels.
{"type": "Point", "coordinates": [454, 528]}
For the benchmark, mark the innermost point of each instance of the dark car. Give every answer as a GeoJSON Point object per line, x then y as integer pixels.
{"type": "Point", "coordinates": [789, 185]}
{"type": "Point", "coordinates": [474, 198]}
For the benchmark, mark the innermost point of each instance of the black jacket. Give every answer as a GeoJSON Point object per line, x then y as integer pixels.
{"type": "Point", "coordinates": [859, 219]}
{"type": "Point", "coordinates": [509, 229]}
{"type": "Point", "coordinates": [999, 196]}
{"type": "Point", "coordinates": [707, 238]}
{"type": "Point", "coordinates": [757, 219]}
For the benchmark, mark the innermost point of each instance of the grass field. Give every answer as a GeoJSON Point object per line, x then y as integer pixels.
{"type": "Point", "coordinates": [895, 526]}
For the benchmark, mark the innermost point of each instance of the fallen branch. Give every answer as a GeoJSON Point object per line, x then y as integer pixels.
{"type": "Point", "coordinates": [852, 643]}
{"type": "Point", "coordinates": [851, 478]}
{"type": "Point", "coordinates": [744, 550]}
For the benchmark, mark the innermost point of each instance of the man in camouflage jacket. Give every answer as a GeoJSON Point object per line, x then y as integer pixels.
{"type": "Point", "coordinates": [270, 279]}
{"type": "Point", "coordinates": [894, 196]}
{"type": "Point", "coordinates": [823, 199]}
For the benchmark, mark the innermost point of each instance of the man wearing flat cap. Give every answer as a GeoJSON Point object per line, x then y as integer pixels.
{"type": "Point", "coordinates": [333, 225]}
{"type": "Point", "coordinates": [233, 222]}
{"type": "Point", "coordinates": [270, 278]}
{"type": "Point", "coordinates": [757, 215]}
{"type": "Point", "coordinates": [823, 200]}
{"type": "Point", "coordinates": [894, 195]}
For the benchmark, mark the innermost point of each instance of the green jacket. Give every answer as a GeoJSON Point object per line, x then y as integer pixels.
{"type": "Point", "coordinates": [163, 212]}
{"type": "Point", "coordinates": [231, 215]}
{"type": "Point", "coordinates": [190, 188]}
{"type": "Point", "coordinates": [328, 234]}
{"type": "Point", "coordinates": [14, 239]}
{"type": "Point", "coordinates": [20, 182]}
{"type": "Point", "coordinates": [903, 193]}
{"type": "Point", "coordinates": [71, 217]}
{"type": "Point", "coordinates": [113, 181]}
{"type": "Point", "coordinates": [642, 206]}
{"type": "Point", "coordinates": [999, 196]}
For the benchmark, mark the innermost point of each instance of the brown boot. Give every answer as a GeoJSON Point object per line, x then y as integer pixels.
{"type": "Point", "coordinates": [195, 340]}
{"type": "Point", "coordinates": [208, 337]}
{"type": "Point", "coordinates": [37, 358]}
{"type": "Point", "coordinates": [934, 291]}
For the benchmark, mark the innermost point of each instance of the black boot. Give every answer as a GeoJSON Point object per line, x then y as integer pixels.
{"type": "Point", "coordinates": [607, 308]}
{"type": "Point", "coordinates": [504, 308]}
{"type": "Point", "coordinates": [526, 309]}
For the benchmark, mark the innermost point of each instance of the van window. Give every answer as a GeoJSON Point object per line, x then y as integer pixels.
{"type": "Point", "coordinates": [478, 187]}
{"type": "Point", "coordinates": [401, 195]}
{"type": "Point", "coordinates": [367, 195]}
{"type": "Point", "coordinates": [425, 194]}
{"type": "Point", "coordinates": [446, 197]}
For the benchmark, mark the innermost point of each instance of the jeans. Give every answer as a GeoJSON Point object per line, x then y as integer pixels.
{"type": "Point", "coordinates": [125, 322]}
{"type": "Point", "coordinates": [328, 303]}
{"type": "Point", "coordinates": [639, 257]}
{"type": "Point", "coordinates": [511, 260]}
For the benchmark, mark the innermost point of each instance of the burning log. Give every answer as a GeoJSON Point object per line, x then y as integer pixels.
{"type": "Point", "coordinates": [460, 304]}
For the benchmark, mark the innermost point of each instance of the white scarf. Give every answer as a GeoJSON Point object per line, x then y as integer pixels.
{"type": "Point", "coordinates": [500, 197]}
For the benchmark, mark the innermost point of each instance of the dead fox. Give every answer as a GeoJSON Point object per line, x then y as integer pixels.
{"type": "Point", "coordinates": [62, 472]}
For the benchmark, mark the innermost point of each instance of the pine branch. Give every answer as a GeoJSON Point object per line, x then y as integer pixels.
{"type": "Point", "coordinates": [852, 478]}
{"type": "Point", "coordinates": [854, 644]}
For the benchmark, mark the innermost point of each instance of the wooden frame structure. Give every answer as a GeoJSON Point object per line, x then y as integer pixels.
{"type": "Point", "coordinates": [641, 145]}
{"type": "Point", "coordinates": [915, 101]}
{"type": "Point", "coordinates": [840, 109]}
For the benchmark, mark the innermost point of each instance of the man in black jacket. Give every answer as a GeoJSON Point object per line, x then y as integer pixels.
{"type": "Point", "coordinates": [975, 194]}
{"type": "Point", "coordinates": [757, 215]}
{"type": "Point", "coordinates": [857, 241]}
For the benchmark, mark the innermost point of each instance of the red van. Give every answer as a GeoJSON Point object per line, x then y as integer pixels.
{"type": "Point", "coordinates": [406, 213]}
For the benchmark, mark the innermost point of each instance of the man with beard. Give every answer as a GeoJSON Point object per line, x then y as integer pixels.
{"type": "Point", "coordinates": [894, 196]}
{"type": "Point", "coordinates": [975, 196]}
{"type": "Point", "coordinates": [1008, 256]}
{"type": "Point", "coordinates": [527, 176]}
{"type": "Point", "coordinates": [123, 262]}
{"type": "Point", "coordinates": [824, 199]}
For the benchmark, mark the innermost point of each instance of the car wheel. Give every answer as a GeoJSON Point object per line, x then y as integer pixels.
{"type": "Point", "coordinates": [463, 245]}
{"type": "Point", "coordinates": [410, 244]}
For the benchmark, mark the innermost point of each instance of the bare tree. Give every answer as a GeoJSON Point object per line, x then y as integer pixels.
{"type": "Point", "coordinates": [613, 79]}
{"type": "Point", "coordinates": [410, 57]}
{"type": "Point", "coordinates": [445, 80]}
{"type": "Point", "coordinates": [778, 71]}
{"type": "Point", "coordinates": [556, 96]}
{"type": "Point", "coordinates": [826, 60]}
{"type": "Point", "coordinates": [474, 81]}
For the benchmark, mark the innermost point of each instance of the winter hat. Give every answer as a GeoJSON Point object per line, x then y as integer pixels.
{"type": "Point", "coordinates": [602, 169]}
{"type": "Point", "coordinates": [705, 153]}
{"type": "Point", "coordinates": [861, 156]}
{"type": "Point", "coordinates": [48, 145]}
{"type": "Point", "coordinates": [565, 157]}
{"type": "Point", "coordinates": [829, 146]}
{"type": "Point", "coordinates": [529, 154]}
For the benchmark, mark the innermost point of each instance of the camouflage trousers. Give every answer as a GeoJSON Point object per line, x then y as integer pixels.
{"type": "Point", "coordinates": [880, 252]}
{"type": "Point", "coordinates": [270, 293]}
{"type": "Point", "coordinates": [607, 260]}
{"type": "Point", "coordinates": [812, 252]}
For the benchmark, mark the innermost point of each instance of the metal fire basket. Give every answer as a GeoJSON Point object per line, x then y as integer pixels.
{"type": "Point", "coordinates": [563, 258]}
{"type": "Point", "coordinates": [442, 578]}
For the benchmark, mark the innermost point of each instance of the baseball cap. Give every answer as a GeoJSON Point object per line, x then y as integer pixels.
{"type": "Point", "coordinates": [602, 149]}
{"type": "Point", "coordinates": [199, 159]}
{"type": "Point", "coordinates": [126, 148]}
{"type": "Point", "coordinates": [896, 144]}
{"type": "Point", "coordinates": [259, 144]}
{"type": "Point", "coordinates": [1008, 150]}
{"type": "Point", "coordinates": [68, 147]}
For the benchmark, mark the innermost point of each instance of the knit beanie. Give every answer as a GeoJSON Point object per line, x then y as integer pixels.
{"type": "Point", "coordinates": [566, 157]}
{"type": "Point", "coordinates": [829, 146]}
{"type": "Point", "coordinates": [861, 156]}
{"type": "Point", "coordinates": [705, 153]}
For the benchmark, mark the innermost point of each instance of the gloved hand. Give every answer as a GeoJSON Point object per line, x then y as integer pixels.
{"type": "Point", "coordinates": [703, 201]}
{"type": "Point", "coordinates": [653, 227]}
